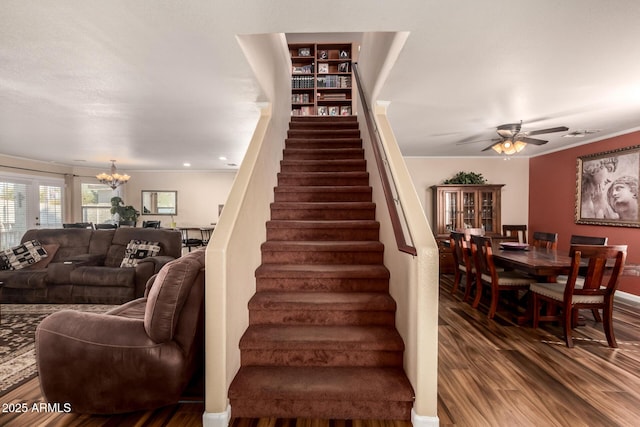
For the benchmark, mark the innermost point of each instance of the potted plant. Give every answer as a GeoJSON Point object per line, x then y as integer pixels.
{"type": "Point", "coordinates": [466, 178]}
{"type": "Point", "coordinates": [122, 212]}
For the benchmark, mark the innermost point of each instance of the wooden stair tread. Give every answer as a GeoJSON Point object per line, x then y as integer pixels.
{"type": "Point", "coordinates": [328, 383]}
{"type": "Point", "coordinates": [322, 270]}
{"type": "Point", "coordinates": [331, 301]}
{"type": "Point", "coordinates": [333, 337]}
{"type": "Point", "coordinates": [321, 246]}
{"type": "Point", "coordinates": [347, 224]}
{"type": "Point", "coordinates": [323, 205]}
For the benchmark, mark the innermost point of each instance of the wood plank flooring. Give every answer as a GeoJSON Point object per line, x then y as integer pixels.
{"type": "Point", "coordinates": [491, 373]}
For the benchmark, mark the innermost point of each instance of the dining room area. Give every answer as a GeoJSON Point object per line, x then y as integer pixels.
{"type": "Point", "coordinates": [526, 332]}
{"type": "Point", "coordinates": [540, 296]}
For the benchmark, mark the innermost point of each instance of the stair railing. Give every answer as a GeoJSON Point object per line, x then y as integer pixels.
{"type": "Point", "coordinates": [396, 212]}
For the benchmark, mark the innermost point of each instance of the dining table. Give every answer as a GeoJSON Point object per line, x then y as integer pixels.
{"type": "Point", "coordinates": [539, 262]}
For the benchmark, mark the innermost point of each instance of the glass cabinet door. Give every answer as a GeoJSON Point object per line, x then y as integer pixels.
{"type": "Point", "coordinates": [451, 211]}
{"type": "Point", "coordinates": [487, 214]}
{"type": "Point", "coordinates": [469, 207]}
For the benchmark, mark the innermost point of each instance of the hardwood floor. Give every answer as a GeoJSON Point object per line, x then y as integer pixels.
{"type": "Point", "coordinates": [491, 373]}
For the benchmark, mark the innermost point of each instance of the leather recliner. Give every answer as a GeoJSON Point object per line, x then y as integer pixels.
{"type": "Point", "coordinates": [138, 356]}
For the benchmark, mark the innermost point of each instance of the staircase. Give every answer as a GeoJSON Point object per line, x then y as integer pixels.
{"type": "Point", "coordinates": [321, 341]}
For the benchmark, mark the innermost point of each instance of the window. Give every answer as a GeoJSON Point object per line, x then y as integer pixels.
{"type": "Point", "coordinates": [96, 203]}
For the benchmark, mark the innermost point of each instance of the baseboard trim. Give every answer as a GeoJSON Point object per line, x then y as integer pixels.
{"type": "Point", "coordinates": [217, 419]}
{"type": "Point", "coordinates": [422, 421]}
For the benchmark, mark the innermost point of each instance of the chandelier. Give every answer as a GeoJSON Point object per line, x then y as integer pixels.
{"type": "Point", "coordinates": [509, 146]}
{"type": "Point", "coordinates": [113, 179]}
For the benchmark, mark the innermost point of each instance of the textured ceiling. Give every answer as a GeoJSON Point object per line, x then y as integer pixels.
{"type": "Point", "coordinates": [155, 84]}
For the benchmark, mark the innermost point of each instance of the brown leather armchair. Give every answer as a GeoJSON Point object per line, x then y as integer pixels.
{"type": "Point", "coordinates": [138, 356]}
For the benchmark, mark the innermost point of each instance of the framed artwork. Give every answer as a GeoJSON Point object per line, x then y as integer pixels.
{"type": "Point", "coordinates": [304, 51]}
{"type": "Point", "coordinates": [344, 54]}
{"type": "Point", "coordinates": [333, 111]}
{"type": "Point", "coordinates": [323, 111]}
{"type": "Point", "coordinates": [343, 67]}
{"type": "Point", "coordinates": [323, 68]}
{"type": "Point", "coordinates": [607, 188]}
{"type": "Point", "coordinates": [323, 54]}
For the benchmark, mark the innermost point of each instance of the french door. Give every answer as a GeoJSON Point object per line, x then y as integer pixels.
{"type": "Point", "coordinates": [28, 202]}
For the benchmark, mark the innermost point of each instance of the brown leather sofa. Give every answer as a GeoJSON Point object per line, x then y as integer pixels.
{"type": "Point", "coordinates": [138, 356]}
{"type": "Point", "coordinates": [85, 266]}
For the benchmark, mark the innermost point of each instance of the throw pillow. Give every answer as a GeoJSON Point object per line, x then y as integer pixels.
{"type": "Point", "coordinates": [51, 249]}
{"type": "Point", "coordinates": [22, 256]}
{"type": "Point", "coordinates": [137, 250]}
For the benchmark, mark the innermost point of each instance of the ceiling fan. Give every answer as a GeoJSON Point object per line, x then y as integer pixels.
{"type": "Point", "coordinates": [513, 139]}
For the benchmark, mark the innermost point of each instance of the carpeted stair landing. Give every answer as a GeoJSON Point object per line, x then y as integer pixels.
{"type": "Point", "coordinates": [321, 341]}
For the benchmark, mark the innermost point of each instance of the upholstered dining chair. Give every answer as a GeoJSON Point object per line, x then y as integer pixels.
{"type": "Point", "coordinates": [150, 224]}
{"type": "Point", "coordinates": [545, 240]}
{"type": "Point", "coordinates": [487, 273]}
{"type": "Point", "coordinates": [515, 231]}
{"type": "Point", "coordinates": [463, 264]}
{"type": "Point", "coordinates": [593, 294]}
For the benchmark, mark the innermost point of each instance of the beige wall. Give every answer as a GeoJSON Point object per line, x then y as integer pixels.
{"type": "Point", "coordinates": [514, 173]}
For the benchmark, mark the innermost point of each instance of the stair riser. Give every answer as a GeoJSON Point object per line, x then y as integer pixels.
{"type": "Point", "coordinates": [336, 234]}
{"type": "Point", "coordinates": [324, 166]}
{"type": "Point", "coordinates": [322, 284]}
{"type": "Point", "coordinates": [322, 196]}
{"type": "Point", "coordinates": [324, 134]}
{"type": "Point", "coordinates": [322, 358]}
{"type": "Point", "coordinates": [325, 257]}
{"type": "Point", "coordinates": [296, 154]}
{"type": "Point", "coordinates": [321, 317]}
{"type": "Point", "coordinates": [304, 180]}
{"type": "Point", "coordinates": [329, 409]}
{"type": "Point", "coordinates": [315, 143]}
{"type": "Point", "coordinates": [323, 214]}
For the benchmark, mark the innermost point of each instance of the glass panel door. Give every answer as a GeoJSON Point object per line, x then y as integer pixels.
{"type": "Point", "coordinates": [28, 203]}
{"type": "Point", "coordinates": [450, 211]}
{"type": "Point", "coordinates": [487, 214]}
{"type": "Point", "coordinates": [469, 209]}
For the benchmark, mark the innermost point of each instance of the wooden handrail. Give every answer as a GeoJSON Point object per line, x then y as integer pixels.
{"type": "Point", "coordinates": [388, 184]}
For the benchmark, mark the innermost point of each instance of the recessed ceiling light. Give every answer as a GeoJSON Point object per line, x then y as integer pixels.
{"type": "Point", "coordinates": [186, 164]}
{"type": "Point", "coordinates": [223, 158]}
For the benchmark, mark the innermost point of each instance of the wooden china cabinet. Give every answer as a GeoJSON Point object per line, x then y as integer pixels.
{"type": "Point", "coordinates": [460, 206]}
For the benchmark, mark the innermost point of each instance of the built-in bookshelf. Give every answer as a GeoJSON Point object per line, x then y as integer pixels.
{"type": "Point", "coordinates": [321, 79]}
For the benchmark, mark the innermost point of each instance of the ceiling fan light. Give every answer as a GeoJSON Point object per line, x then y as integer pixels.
{"type": "Point", "coordinates": [497, 148]}
{"type": "Point", "coordinates": [519, 145]}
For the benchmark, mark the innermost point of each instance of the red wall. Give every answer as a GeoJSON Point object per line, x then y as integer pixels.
{"type": "Point", "coordinates": [552, 188]}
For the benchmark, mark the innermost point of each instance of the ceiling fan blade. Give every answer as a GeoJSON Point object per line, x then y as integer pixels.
{"type": "Point", "coordinates": [491, 146]}
{"type": "Point", "coordinates": [533, 141]}
{"type": "Point", "coordinates": [508, 130]}
{"type": "Point", "coordinates": [550, 130]}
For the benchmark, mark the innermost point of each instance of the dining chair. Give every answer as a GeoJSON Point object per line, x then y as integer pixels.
{"type": "Point", "coordinates": [587, 240]}
{"type": "Point", "coordinates": [594, 294]}
{"type": "Point", "coordinates": [206, 233]}
{"type": "Point", "coordinates": [463, 264]}
{"type": "Point", "coordinates": [584, 240]}
{"type": "Point", "coordinates": [189, 242]}
{"type": "Point", "coordinates": [127, 223]}
{"type": "Point", "coordinates": [545, 240]}
{"type": "Point", "coordinates": [498, 281]}
{"type": "Point", "coordinates": [78, 225]}
{"type": "Point", "coordinates": [150, 224]}
{"type": "Point", "coordinates": [105, 226]}
{"type": "Point", "coordinates": [517, 231]}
